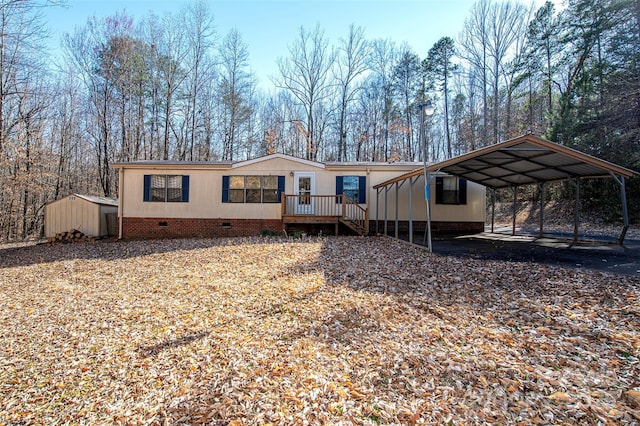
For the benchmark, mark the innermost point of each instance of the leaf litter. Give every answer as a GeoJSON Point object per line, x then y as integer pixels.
{"type": "Point", "coordinates": [334, 330]}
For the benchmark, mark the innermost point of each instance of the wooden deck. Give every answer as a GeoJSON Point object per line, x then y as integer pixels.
{"type": "Point", "coordinates": [325, 209]}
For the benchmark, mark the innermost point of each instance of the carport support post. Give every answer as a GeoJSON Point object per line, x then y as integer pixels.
{"type": "Point", "coordinates": [386, 204]}
{"type": "Point", "coordinates": [576, 219]}
{"type": "Point", "coordinates": [541, 188]}
{"type": "Point", "coordinates": [411, 210]}
{"type": "Point", "coordinates": [396, 222]}
{"type": "Point", "coordinates": [493, 208]}
{"type": "Point", "coordinates": [377, 210]}
{"type": "Point", "coordinates": [515, 205]}
{"type": "Point", "coordinates": [625, 208]}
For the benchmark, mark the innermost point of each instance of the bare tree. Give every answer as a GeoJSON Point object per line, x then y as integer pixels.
{"type": "Point", "coordinates": [281, 129]}
{"type": "Point", "coordinates": [514, 70]}
{"type": "Point", "coordinates": [150, 31]}
{"type": "Point", "coordinates": [94, 52]}
{"type": "Point", "coordinates": [506, 25]}
{"type": "Point", "coordinates": [21, 37]}
{"type": "Point", "coordinates": [123, 59]}
{"type": "Point", "coordinates": [474, 41]}
{"type": "Point", "coordinates": [350, 64]}
{"type": "Point", "coordinates": [235, 90]}
{"type": "Point", "coordinates": [383, 58]}
{"type": "Point", "coordinates": [66, 141]}
{"type": "Point", "coordinates": [467, 85]}
{"type": "Point", "coordinates": [24, 98]}
{"type": "Point", "coordinates": [305, 75]}
{"type": "Point", "coordinates": [370, 124]}
{"type": "Point", "coordinates": [171, 54]}
{"type": "Point", "coordinates": [200, 33]}
{"type": "Point", "coordinates": [487, 43]}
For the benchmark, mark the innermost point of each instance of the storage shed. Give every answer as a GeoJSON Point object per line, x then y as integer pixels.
{"type": "Point", "coordinates": [93, 216]}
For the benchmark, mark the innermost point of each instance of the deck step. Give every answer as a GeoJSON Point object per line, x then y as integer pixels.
{"type": "Point", "coordinates": [353, 226]}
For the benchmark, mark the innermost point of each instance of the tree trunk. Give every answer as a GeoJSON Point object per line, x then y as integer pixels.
{"type": "Point", "coordinates": [446, 109]}
{"type": "Point", "coordinates": [167, 120]}
{"type": "Point", "coordinates": [342, 145]}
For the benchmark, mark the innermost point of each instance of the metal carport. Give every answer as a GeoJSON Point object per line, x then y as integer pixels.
{"type": "Point", "coordinates": [528, 160]}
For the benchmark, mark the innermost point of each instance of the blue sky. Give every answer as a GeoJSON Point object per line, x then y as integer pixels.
{"type": "Point", "coordinates": [269, 26]}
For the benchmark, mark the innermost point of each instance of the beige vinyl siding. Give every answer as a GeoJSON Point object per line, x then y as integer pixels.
{"type": "Point", "coordinates": [473, 211]}
{"type": "Point", "coordinates": [205, 190]}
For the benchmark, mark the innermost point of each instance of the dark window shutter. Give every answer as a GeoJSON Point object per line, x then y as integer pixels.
{"type": "Point", "coordinates": [225, 189]}
{"type": "Point", "coordinates": [339, 184]}
{"type": "Point", "coordinates": [462, 187]}
{"type": "Point", "coordinates": [280, 188]}
{"type": "Point", "coordinates": [439, 189]}
{"type": "Point", "coordinates": [362, 189]}
{"type": "Point", "coordinates": [147, 188]}
{"type": "Point", "coordinates": [185, 188]}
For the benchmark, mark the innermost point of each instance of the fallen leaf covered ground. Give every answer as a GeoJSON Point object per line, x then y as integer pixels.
{"type": "Point", "coordinates": [314, 331]}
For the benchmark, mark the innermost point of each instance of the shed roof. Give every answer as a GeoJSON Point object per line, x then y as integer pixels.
{"type": "Point", "coordinates": [105, 201]}
{"type": "Point", "coordinates": [523, 160]}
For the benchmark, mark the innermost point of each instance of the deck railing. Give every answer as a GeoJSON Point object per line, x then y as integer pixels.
{"type": "Point", "coordinates": [337, 206]}
{"type": "Point", "coordinates": [355, 213]}
{"type": "Point", "coordinates": [311, 205]}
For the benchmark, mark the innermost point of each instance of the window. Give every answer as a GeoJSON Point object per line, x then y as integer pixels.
{"type": "Point", "coordinates": [355, 187]}
{"type": "Point", "coordinates": [236, 189]}
{"type": "Point", "coordinates": [252, 189]}
{"type": "Point", "coordinates": [166, 188]}
{"type": "Point", "coordinates": [451, 190]}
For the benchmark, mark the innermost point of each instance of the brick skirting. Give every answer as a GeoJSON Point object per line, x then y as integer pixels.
{"type": "Point", "coordinates": [136, 227]}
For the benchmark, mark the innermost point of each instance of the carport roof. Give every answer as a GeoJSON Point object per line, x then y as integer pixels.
{"type": "Point", "coordinates": [523, 160]}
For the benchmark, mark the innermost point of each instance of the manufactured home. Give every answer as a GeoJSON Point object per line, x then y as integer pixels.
{"type": "Point", "coordinates": [280, 193]}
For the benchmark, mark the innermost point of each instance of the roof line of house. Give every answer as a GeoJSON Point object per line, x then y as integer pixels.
{"type": "Point", "coordinates": [243, 163]}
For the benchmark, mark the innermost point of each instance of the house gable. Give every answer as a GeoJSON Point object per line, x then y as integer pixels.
{"type": "Point", "coordinates": [281, 159]}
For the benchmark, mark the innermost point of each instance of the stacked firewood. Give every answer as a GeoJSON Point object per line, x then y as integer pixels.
{"type": "Point", "coordinates": [71, 236]}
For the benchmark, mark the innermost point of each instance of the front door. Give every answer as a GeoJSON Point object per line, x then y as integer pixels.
{"type": "Point", "coordinates": [304, 186]}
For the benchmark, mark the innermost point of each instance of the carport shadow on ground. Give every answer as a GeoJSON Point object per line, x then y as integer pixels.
{"type": "Point", "coordinates": [550, 250]}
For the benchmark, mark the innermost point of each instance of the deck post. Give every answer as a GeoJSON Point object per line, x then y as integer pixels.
{"type": "Point", "coordinates": [541, 231]}
{"type": "Point", "coordinates": [366, 221]}
{"type": "Point", "coordinates": [344, 206]}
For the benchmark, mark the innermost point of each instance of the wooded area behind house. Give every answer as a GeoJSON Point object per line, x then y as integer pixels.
{"type": "Point", "coordinates": [170, 87]}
